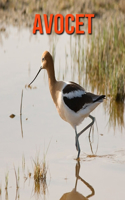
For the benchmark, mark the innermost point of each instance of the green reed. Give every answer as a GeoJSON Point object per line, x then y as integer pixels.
{"type": "Point", "coordinates": [99, 61]}
{"type": "Point", "coordinates": [105, 60]}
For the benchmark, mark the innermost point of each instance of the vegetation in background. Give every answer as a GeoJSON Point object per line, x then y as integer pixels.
{"type": "Point", "coordinates": [99, 61]}
{"type": "Point", "coordinates": [61, 5]}
{"type": "Point", "coordinates": [21, 12]}
{"type": "Point", "coordinates": [105, 60]}
{"type": "Point", "coordinates": [116, 113]}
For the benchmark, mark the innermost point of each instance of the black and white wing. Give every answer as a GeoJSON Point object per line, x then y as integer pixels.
{"type": "Point", "coordinates": [76, 98]}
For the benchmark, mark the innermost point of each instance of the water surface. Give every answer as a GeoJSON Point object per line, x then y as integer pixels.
{"type": "Point", "coordinates": [20, 59]}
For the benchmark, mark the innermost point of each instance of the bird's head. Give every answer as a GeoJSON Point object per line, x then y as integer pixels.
{"type": "Point", "coordinates": [46, 60]}
{"type": "Point", "coordinates": [46, 63]}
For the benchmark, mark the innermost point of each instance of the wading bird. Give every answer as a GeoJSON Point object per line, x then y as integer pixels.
{"type": "Point", "coordinates": [73, 103]}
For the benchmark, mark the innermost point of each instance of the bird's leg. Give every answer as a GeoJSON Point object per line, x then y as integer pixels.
{"type": "Point", "coordinates": [93, 120]}
{"type": "Point", "coordinates": [77, 143]}
{"type": "Point", "coordinates": [78, 134]}
{"type": "Point", "coordinates": [76, 139]}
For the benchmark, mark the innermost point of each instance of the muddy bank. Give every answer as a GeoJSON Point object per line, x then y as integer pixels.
{"type": "Point", "coordinates": [23, 12]}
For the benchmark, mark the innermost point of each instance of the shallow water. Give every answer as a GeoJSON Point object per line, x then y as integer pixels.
{"type": "Point", "coordinates": [104, 172]}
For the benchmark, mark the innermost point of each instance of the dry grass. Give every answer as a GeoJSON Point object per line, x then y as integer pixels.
{"type": "Point", "coordinates": [17, 178]}
{"type": "Point", "coordinates": [105, 67]}
{"type": "Point", "coordinates": [99, 62]}
{"type": "Point", "coordinates": [79, 6]}
{"type": "Point", "coordinates": [40, 172]}
{"type": "Point", "coordinates": [116, 113]}
{"type": "Point", "coordinates": [0, 190]}
{"type": "Point", "coordinates": [6, 180]}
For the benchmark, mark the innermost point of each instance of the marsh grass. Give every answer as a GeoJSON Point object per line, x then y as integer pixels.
{"type": "Point", "coordinates": [17, 176]}
{"type": "Point", "coordinates": [0, 190]}
{"type": "Point", "coordinates": [77, 52]}
{"type": "Point", "coordinates": [99, 61]}
{"type": "Point", "coordinates": [40, 172]}
{"type": "Point", "coordinates": [21, 103]}
{"type": "Point", "coordinates": [116, 113]}
{"type": "Point", "coordinates": [6, 195]}
{"type": "Point", "coordinates": [6, 180]}
{"type": "Point", "coordinates": [105, 60]}
{"type": "Point", "coordinates": [105, 67]}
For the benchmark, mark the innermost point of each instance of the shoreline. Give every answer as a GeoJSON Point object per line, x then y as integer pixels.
{"type": "Point", "coordinates": [23, 13]}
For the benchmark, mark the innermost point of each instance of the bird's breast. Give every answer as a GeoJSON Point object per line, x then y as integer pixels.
{"type": "Point", "coordinates": [60, 106]}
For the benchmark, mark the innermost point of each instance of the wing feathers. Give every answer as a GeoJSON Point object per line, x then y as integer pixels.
{"type": "Point", "coordinates": [76, 98]}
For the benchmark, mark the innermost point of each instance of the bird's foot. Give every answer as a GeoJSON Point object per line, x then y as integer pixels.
{"type": "Point", "coordinates": [78, 158]}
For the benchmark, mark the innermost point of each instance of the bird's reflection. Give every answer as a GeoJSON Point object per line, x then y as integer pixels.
{"type": "Point", "coordinates": [74, 194]}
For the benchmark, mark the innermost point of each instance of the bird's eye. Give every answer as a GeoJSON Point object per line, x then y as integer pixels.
{"type": "Point", "coordinates": [43, 59]}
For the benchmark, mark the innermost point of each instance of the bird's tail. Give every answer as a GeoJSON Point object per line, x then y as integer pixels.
{"type": "Point", "coordinates": [100, 98]}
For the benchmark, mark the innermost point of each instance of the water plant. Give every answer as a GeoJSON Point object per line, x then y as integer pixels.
{"type": "Point", "coordinates": [105, 59]}
{"type": "Point", "coordinates": [40, 172]}
{"type": "Point", "coordinates": [17, 176]}
{"type": "Point", "coordinates": [99, 61]}
{"type": "Point", "coordinates": [6, 180]}
{"type": "Point", "coordinates": [40, 169]}
{"type": "Point", "coordinates": [0, 190]}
